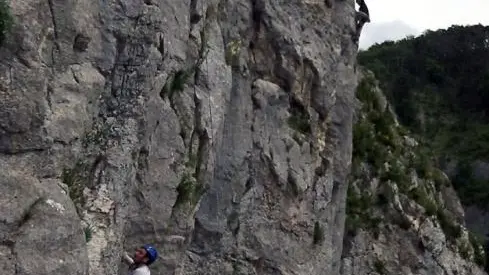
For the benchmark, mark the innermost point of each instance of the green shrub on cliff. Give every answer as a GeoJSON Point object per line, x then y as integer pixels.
{"type": "Point", "coordinates": [6, 20]}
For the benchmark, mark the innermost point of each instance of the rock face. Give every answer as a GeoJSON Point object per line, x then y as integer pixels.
{"type": "Point", "coordinates": [226, 122]}
{"type": "Point", "coordinates": [403, 216]}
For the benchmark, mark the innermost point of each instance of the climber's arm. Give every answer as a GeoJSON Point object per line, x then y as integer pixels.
{"type": "Point", "coordinates": [359, 15]}
{"type": "Point", "coordinates": [127, 259]}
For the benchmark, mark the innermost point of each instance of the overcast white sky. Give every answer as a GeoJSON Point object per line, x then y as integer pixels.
{"type": "Point", "coordinates": [394, 19]}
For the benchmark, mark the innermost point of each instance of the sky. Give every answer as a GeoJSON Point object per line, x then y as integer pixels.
{"type": "Point", "coordinates": [394, 19]}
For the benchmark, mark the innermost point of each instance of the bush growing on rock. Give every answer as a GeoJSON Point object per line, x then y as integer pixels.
{"type": "Point", "coordinates": [6, 20]}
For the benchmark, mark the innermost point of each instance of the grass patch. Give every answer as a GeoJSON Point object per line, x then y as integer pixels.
{"type": "Point", "coordinates": [6, 20]}
{"type": "Point", "coordinates": [420, 196]}
{"type": "Point", "coordinates": [233, 49]}
{"type": "Point", "coordinates": [88, 230]}
{"type": "Point", "coordinates": [451, 229]}
{"type": "Point", "coordinates": [76, 181]}
{"type": "Point", "coordinates": [189, 190]}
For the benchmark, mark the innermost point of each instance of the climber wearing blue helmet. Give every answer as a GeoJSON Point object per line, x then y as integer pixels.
{"type": "Point", "coordinates": [144, 256]}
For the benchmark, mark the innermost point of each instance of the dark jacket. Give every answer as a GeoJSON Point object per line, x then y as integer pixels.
{"type": "Point", "coordinates": [363, 7]}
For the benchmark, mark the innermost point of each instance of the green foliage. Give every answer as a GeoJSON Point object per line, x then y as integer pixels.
{"type": "Point", "coordinates": [366, 134]}
{"type": "Point", "coordinates": [189, 190]}
{"type": "Point", "coordinates": [88, 233]}
{"type": "Point", "coordinates": [375, 135]}
{"type": "Point", "coordinates": [439, 86]}
{"type": "Point", "coordinates": [379, 142]}
{"type": "Point", "coordinates": [299, 119]}
{"type": "Point", "coordinates": [365, 145]}
{"type": "Point", "coordinates": [233, 49]}
{"type": "Point", "coordinates": [470, 190]}
{"type": "Point", "coordinates": [440, 179]}
{"type": "Point", "coordinates": [318, 236]}
{"type": "Point", "coordinates": [464, 251]}
{"type": "Point", "coordinates": [6, 20]}
{"type": "Point", "coordinates": [379, 267]}
{"type": "Point", "coordinates": [397, 174]}
{"type": "Point", "coordinates": [300, 123]}
{"type": "Point", "coordinates": [359, 212]}
{"type": "Point", "coordinates": [445, 63]}
{"type": "Point", "coordinates": [477, 243]}
{"type": "Point", "coordinates": [176, 82]}
{"type": "Point", "coordinates": [423, 165]}
{"type": "Point", "coordinates": [366, 94]}
{"type": "Point", "coordinates": [97, 135]}
{"type": "Point", "coordinates": [451, 229]}
{"type": "Point", "coordinates": [479, 253]}
{"type": "Point", "coordinates": [76, 181]}
{"type": "Point", "coordinates": [420, 195]}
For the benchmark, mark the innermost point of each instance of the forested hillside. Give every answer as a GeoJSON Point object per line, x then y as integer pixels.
{"type": "Point", "coordinates": [438, 85]}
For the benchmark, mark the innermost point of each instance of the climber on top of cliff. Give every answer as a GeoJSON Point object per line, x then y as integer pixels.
{"type": "Point", "coordinates": [362, 16]}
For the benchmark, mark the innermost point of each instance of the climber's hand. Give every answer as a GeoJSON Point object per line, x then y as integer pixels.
{"type": "Point", "coordinates": [126, 258]}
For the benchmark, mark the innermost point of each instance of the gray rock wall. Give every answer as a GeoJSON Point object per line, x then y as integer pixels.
{"type": "Point", "coordinates": [226, 122]}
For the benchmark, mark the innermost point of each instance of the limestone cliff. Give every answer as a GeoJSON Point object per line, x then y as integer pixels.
{"type": "Point", "coordinates": [224, 121]}
{"type": "Point", "coordinates": [403, 215]}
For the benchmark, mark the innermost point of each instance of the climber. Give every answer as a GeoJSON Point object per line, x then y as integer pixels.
{"type": "Point", "coordinates": [362, 16]}
{"type": "Point", "coordinates": [143, 257]}
{"type": "Point", "coordinates": [146, 255]}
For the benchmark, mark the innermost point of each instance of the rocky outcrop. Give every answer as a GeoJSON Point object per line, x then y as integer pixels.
{"type": "Point", "coordinates": [403, 216]}
{"type": "Point", "coordinates": [227, 122]}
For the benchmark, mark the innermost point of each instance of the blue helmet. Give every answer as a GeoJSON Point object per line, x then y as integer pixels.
{"type": "Point", "coordinates": [151, 253]}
